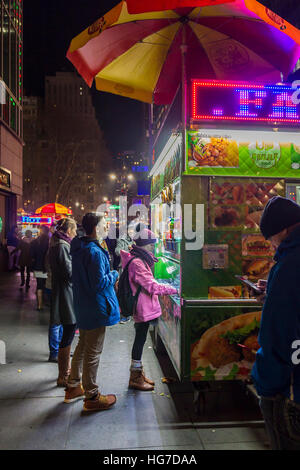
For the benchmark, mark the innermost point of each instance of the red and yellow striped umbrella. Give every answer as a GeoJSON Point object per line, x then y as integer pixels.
{"type": "Point", "coordinates": [140, 55]}
{"type": "Point", "coordinates": [142, 6]}
{"type": "Point", "coordinates": [271, 18]}
{"type": "Point", "coordinates": [53, 208]}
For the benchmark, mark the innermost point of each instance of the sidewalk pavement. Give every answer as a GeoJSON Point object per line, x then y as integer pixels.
{"type": "Point", "coordinates": [33, 415]}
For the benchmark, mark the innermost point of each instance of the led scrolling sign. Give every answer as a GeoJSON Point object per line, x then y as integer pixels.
{"type": "Point", "coordinates": [236, 101]}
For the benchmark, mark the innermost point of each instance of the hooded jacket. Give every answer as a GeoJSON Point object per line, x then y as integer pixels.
{"type": "Point", "coordinates": [148, 306]}
{"type": "Point", "coordinates": [277, 358]}
{"type": "Point", "coordinates": [95, 300]}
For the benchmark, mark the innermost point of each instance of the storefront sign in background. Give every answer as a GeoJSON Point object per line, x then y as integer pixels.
{"type": "Point", "coordinates": [5, 178]}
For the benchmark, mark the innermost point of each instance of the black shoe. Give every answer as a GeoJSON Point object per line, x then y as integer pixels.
{"type": "Point", "coordinates": [22, 284]}
{"type": "Point", "coordinates": [53, 359]}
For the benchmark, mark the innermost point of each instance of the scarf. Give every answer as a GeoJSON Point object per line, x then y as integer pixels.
{"type": "Point", "coordinates": [146, 256]}
{"type": "Point", "coordinates": [62, 236]}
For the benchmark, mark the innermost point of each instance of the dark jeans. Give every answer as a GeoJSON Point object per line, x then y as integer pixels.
{"type": "Point", "coordinates": [141, 330]}
{"type": "Point", "coordinates": [279, 425]}
{"type": "Point", "coordinates": [68, 335]}
{"type": "Point", "coordinates": [22, 269]}
{"type": "Point", "coordinates": [55, 333]}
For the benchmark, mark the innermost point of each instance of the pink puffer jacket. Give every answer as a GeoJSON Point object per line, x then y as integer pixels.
{"type": "Point", "coordinates": [148, 306]}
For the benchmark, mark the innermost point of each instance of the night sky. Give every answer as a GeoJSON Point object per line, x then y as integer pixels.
{"type": "Point", "coordinates": [49, 26]}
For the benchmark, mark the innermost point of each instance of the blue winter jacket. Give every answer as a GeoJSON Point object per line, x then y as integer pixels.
{"type": "Point", "coordinates": [95, 300]}
{"type": "Point", "coordinates": [277, 358]}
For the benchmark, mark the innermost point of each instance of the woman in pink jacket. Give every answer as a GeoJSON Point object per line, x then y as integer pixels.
{"type": "Point", "coordinates": [148, 307]}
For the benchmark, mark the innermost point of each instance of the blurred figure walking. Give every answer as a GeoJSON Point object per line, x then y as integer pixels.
{"type": "Point", "coordinates": [38, 251]}
{"type": "Point", "coordinates": [25, 258]}
{"type": "Point", "coordinates": [12, 241]}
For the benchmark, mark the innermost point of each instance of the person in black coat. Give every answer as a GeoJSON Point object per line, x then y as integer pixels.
{"type": "Point", "coordinates": [62, 311]}
{"type": "Point", "coordinates": [38, 251]}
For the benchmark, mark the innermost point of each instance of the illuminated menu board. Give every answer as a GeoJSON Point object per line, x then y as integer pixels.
{"type": "Point", "coordinates": [245, 102]}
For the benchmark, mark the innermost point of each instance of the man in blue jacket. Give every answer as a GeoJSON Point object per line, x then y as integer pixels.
{"type": "Point", "coordinates": [96, 307]}
{"type": "Point", "coordinates": [276, 372]}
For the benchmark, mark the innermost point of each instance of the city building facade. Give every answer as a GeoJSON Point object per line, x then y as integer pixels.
{"type": "Point", "coordinates": [65, 157]}
{"type": "Point", "coordinates": [11, 128]}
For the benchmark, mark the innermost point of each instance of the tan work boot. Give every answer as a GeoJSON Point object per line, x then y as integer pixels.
{"type": "Point", "coordinates": [64, 366]}
{"type": "Point", "coordinates": [138, 382]}
{"type": "Point", "coordinates": [73, 393]}
{"type": "Point", "coordinates": [99, 403]}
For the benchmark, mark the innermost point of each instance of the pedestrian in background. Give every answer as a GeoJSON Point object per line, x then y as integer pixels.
{"type": "Point", "coordinates": [124, 244]}
{"type": "Point", "coordinates": [111, 241]}
{"type": "Point", "coordinates": [62, 310]}
{"type": "Point", "coordinates": [276, 371]}
{"type": "Point", "coordinates": [25, 258]}
{"type": "Point", "coordinates": [96, 307]}
{"type": "Point", "coordinates": [147, 311]}
{"type": "Point", "coordinates": [12, 241]}
{"type": "Point", "coordinates": [38, 251]}
{"type": "Point", "coordinates": [55, 331]}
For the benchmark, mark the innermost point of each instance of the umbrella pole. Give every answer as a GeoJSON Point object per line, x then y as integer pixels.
{"type": "Point", "coordinates": [183, 98]}
{"type": "Point", "coordinates": [150, 130]}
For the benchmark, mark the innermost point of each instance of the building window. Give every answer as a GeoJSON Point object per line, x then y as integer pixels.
{"type": "Point", "coordinates": [6, 47]}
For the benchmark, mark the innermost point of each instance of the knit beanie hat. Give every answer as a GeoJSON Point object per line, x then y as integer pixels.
{"type": "Point", "coordinates": [145, 237]}
{"type": "Point", "coordinates": [279, 213]}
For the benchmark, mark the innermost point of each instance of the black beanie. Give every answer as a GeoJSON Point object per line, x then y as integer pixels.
{"type": "Point", "coordinates": [279, 213]}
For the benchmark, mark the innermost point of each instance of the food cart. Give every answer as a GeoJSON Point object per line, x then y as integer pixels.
{"type": "Point", "coordinates": [209, 187]}
{"type": "Point", "coordinates": [44, 215]}
{"type": "Point", "coordinates": [32, 222]}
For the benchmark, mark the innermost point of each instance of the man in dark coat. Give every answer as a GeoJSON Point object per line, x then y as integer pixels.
{"type": "Point", "coordinates": [276, 372]}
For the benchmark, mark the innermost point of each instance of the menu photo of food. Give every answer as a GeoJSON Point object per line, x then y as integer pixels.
{"type": "Point", "coordinates": [227, 350]}
{"type": "Point", "coordinates": [258, 194]}
{"type": "Point", "coordinates": [256, 245]}
{"type": "Point", "coordinates": [225, 292]}
{"type": "Point", "coordinates": [227, 193]}
{"type": "Point", "coordinates": [213, 152]}
{"type": "Point", "coordinates": [253, 216]}
{"type": "Point", "coordinates": [255, 269]}
{"type": "Point", "coordinates": [232, 217]}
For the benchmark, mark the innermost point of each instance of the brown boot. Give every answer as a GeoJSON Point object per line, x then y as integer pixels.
{"type": "Point", "coordinates": [137, 381]}
{"type": "Point", "coordinates": [64, 366]}
{"type": "Point", "coordinates": [148, 380]}
{"type": "Point", "coordinates": [73, 393]}
{"type": "Point", "coordinates": [99, 403]}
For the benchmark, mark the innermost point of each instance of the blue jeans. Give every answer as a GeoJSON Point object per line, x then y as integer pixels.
{"type": "Point", "coordinates": [279, 424]}
{"type": "Point", "coordinates": [55, 334]}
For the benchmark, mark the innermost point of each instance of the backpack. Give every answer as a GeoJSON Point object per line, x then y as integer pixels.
{"type": "Point", "coordinates": [127, 300]}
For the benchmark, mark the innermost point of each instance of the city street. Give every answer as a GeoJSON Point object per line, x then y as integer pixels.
{"type": "Point", "coordinates": [33, 415]}
{"type": "Point", "coordinates": [149, 228]}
